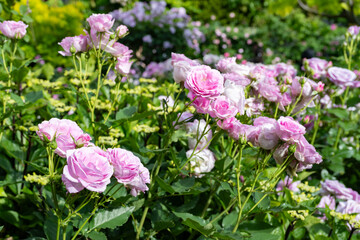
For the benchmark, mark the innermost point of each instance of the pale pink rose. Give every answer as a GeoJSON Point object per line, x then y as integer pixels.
{"type": "Point", "coordinates": [267, 137]}
{"type": "Point", "coordinates": [67, 134]}
{"type": "Point", "coordinates": [196, 129]}
{"type": "Point", "coordinates": [237, 79]}
{"type": "Point", "coordinates": [119, 50]}
{"type": "Point", "coordinates": [289, 184]}
{"type": "Point", "coordinates": [181, 71]}
{"type": "Point", "coordinates": [306, 153]}
{"type": "Point", "coordinates": [296, 87]}
{"type": "Point", "coordinates": [327, 200]}
{"type": "Point", "coordinates": [222, 107]}
{"type": "Point", "coordinates": [354, 30]}
{"type": "Point", "coordinates": [269, 92]}
{"type": "Point", "coordinates": [225, 64]}
{"type": "Point", "coordinates": [337, 189]}
{"type": "Point", "coordinates": [285, 69]}
{"type": "Point", "coordinates": [235, 93]}
{"type": "Point", "coordinates": [121, 31]}
{"type": "Point", "coordinates": [100, 22]}
{"type": "Point", "coordinates": [13, 29]}
{"type": "Point", "coordinates": [88, 168]}
{"type": "Point", "coordinates": [253, 106]}
{"type": "Point", "coordinates": [126, 164]}
{"type": "Point", "coordinates": [201, 162]}
{"type": "Point", "coordinates": [138, 184]}
{"type": "Point", "coordinates": [75, 44]}
{"type": "Point", "coordinates": [349, 207]}
{"type": "Point", "coordinates": [317, 66]}
{"type": "Point", "coordinates": [99, 40]}
{"type": "Point", "coordinates": [177, 57]}
{"type": "Point", "coordinates": [289, 129]}
{"type": "Point", "coordinates": [285, 101]}
{"type": "Point", "coordinates": [185, 116]}
{"type": "Point", "coordinates": [343, 77]}
{"type": "Point", "coordinates": [205, 82]}
{"type": "Point", "coordinates": [123, 66]}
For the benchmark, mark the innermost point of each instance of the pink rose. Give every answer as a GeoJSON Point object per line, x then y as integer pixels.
{"type": "Point", "coordinates": [123, 66]}
{"type": "Point", "coordinates": [317, 66]}
{"type": "Point", "coordinates": [225, 64]}
{"type": "Point", "coordinates": [222, 108]}
{"type": "Point", "coordinates": [306, 153]}
{"type": "Point", "coordinates": [270, 92]}
{"type": "Point", "coordinates": [327, 200]}
{"type": "Point", "coordinates": [67, 134]}
{"type": "Point", "coordinates": [119, 50]}
{"type": "Point", "coordinates": [12, 29]}
{"type": "Point", "coordinates": [237, 79]}
{"type": "Point", "coordinates": [285, 69]}
{"type": "Point", "coordinates": [99, 40]}
{"type": "Point", "coordinates": [337, 189]}
{"type": "Point", "coordinates": [267, 137]}
{"type": "Point", "coordinates": [121, 31]}
{"type": "Point", "coordinates": [88, 168]}
{"type": "Point", "coordinates": [129, 170]}
{"type": "Point", "coordinates": [296, 87]}
{"type": "Point", "coordinates": [201, 104]}
{"type": "Point", "coordinates": [289, 184]}
{"type": "Point", "coordinates": [196, 129]}
{"type": "Point", "coordinates": [205, 82]}
{"type": "Point", "coordinates": [253, 106]}
{"type": "Point", "coordinates": [354, 30]}
{"type": "Point", "coordinates": [76, 44]}
{"type": "Point", "coordinates": [343, 77]}
{"type": "Point", "coordinates": [235, 93]}
{"type": "Point", "coordinates": [181, 70]}
{"type": "Point", "coordinates": [289, 129]}
{"type": "Point", "coordinates": [100, 22]}
{"type": "Point", "coordinates": [177, 57]}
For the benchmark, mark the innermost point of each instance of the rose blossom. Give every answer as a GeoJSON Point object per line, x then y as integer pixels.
{"type": "Point", "coordinates": [98, 40]}
{"type": "Point", "coordinates": [235, 93]}
{"type": "Point", "coordinates": [343, 77]}
{"type": "Point", "coordinates": [201, 162]}
{"type": "Point", "coordinates": [78, 43]}
{"type": "Point", "coordinates": [225, 64]}
{"type": "Point", "coordinates": [270, 92]}
{"type": "Point", "coordinates": [201, 104]}
{"type": "Point", "coordinates": [222, 108]}
{"type": "Point", "coordinates": [181, 70]}
{"type": "Point", "coordinates": [119, 50]}
{"type": "Point", "coordinates": [67, 134]}
{"type": "Point", "coordinates": [289, 129]}
{"type": "Point", "coordinates": [317, 66]}
{"type": "Point", "coordinates": [205, 82]}
{"type": "Point", "coordinates": [306, 153]}
{"type": "Point", "coordinates": [237, 79]}
{"type": "Point", "coordinates": [88, 168]}
{"type": "Point", "coordinates": [123, 66]}
{"type": "Point", "coordinates": [353, 30]}
{"type": "Point", "coordinates": [288, 183]}
{"type": "Point", "coordinates": [13, 29]}
{"type": "Point", "coordinates": [177, 57]}
{"type": "Point", "coordinates": [267, 137]}
{"type": "Point", "coordinates": [100, 22]}
{"type": "Point", "coordinates": [196, 129]}
{"type": "Point", "coordinates": [129, 170]}
{"type": "Point", "coordinates": [327, 200]}
{"type": "Point", "coordinates": [334, 187]}
{"type": "Point", "coordinates": [121, 30]}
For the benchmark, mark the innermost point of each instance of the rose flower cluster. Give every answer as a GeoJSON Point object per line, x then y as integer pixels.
{"type": "Point", "coordinates": [101, 37]}
{"type": "Point", "coordinates": [221, 94]}
{"type": "Point", "coordinates": [89, 166]}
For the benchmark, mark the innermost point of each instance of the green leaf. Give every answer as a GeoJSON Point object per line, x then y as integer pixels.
{"type": "Point", "coordinates": [165, 186]}
{"type": "Point", "coordinates": [96, 235]}
{"type": "Point", "coordinates": [126, 113]}
{"type": "Point", "coordinates": [11, 217]}
{"type": "Point", "coordinates": [48, 71]}
{"type": "Point", "coordinates": [17, 99]}
{"type": "Point", "coordinates": [196, 223]}
{"type": "Point", "coordinates": [50, 226]}
{"type": "Point", "coordinates": [339, 112]}
{"type": "Point", "coordinates": [33, 96]}
{"type": "Point", "coordinates": [111, 218]}
{"type": "Point", "coordinates": [183, 185]}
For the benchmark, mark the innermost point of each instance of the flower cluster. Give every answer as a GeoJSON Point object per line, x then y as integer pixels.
{"type": "Point", "coordinates": [89, 166]}
{"type": "Point", "coordinates": [333, 191]}
{"type": "Point", "coordinates": [101, 37]}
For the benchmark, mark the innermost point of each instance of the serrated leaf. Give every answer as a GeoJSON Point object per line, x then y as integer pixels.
{"type": "Point", "coordinates": [196, 223]}
{"type": "Point", "coordinates": [111, 218]}
{"type": "Point", "coordinates": [17, 99]}
{"type": "Point", "coordinates": [96, 235]}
